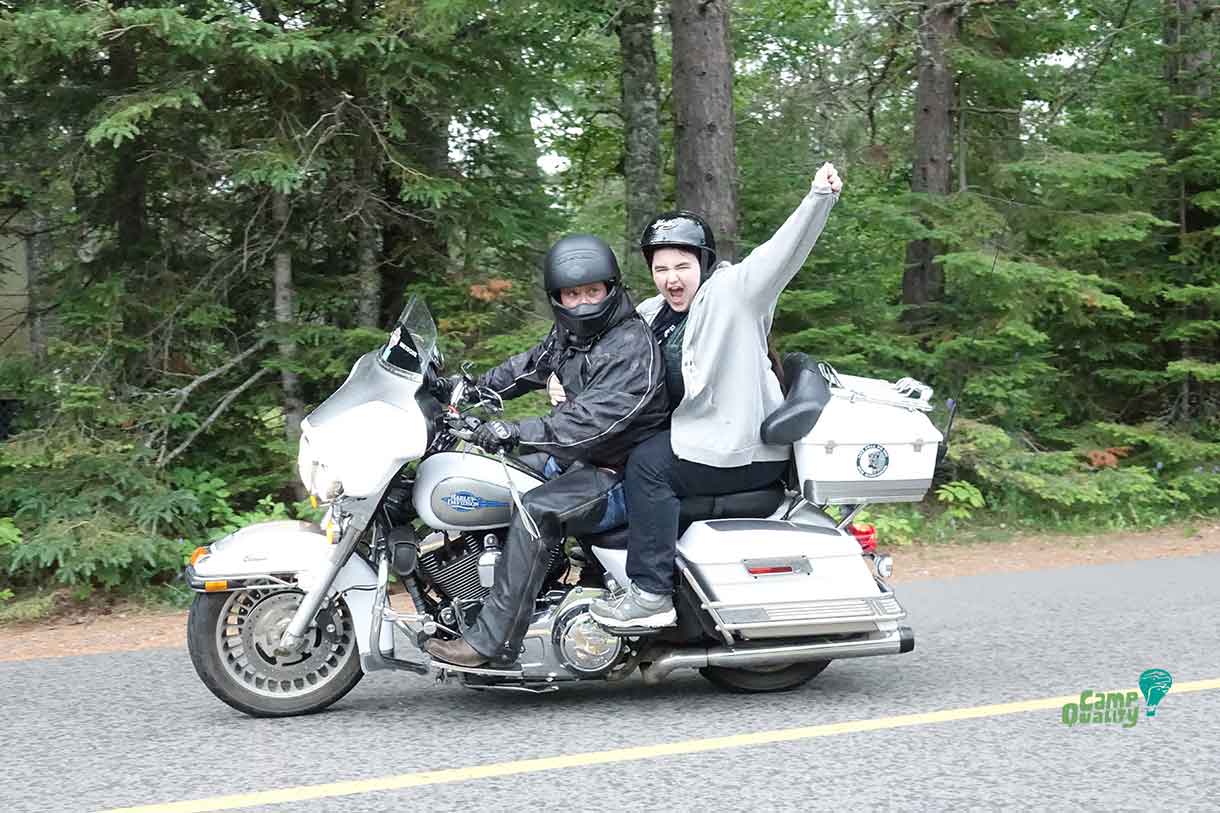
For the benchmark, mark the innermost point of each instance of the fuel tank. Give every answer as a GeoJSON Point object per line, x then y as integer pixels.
{"type": "Point", "coordinates": [465, 491]}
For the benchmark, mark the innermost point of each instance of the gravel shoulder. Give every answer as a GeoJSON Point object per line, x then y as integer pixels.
{"type": "Point", "coordinates": [131, 630]}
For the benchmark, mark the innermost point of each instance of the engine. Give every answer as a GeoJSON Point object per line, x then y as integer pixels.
{"type": "Point", "coordinates": [453, 567]}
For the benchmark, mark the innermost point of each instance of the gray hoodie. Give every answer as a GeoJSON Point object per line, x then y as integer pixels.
{"type": "Point", "coordinates": [730, 387]}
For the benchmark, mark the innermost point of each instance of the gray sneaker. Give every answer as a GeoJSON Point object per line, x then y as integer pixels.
{"type": "Point", "coordinates": [634, 608]}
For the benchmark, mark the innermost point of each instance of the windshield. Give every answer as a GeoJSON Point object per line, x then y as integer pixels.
{"type": "Point", "coordinates": [413, 340]}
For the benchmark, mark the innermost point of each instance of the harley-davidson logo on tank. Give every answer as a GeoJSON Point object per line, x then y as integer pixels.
{"type": "Point", "coordinates": [469, 502]}
{"type": "Point", "coordinates": [465, 501]}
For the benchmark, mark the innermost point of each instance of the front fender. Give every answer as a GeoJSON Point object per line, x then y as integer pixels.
{"type": "Point", "coordinates": [268, 548]}
{"type": "Point", "coordinates": [291, 552]}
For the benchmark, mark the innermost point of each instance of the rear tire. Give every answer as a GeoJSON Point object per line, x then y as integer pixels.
{"type": "Point", "coordinates": [758, 681]}
{"type": "Point", "coordinates": [231, 639]}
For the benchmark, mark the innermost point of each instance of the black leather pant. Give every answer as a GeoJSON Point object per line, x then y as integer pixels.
{"type": "Point", "coordinates": [571, 504]}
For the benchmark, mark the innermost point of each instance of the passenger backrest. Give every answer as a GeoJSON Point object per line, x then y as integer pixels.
{"type": "Point", "coordinates": [807, 395]}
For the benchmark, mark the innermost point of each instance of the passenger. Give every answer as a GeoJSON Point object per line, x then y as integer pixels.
{"type": "Point", "coordinates": [712, 328]}
{"type": "Point", "coordinates": [606, 362]}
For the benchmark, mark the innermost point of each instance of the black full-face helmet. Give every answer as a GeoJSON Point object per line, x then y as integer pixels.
{"type": "Point", "coordinates": [581, 259]}
{"type": "Point", "coordinates": [685, 230]}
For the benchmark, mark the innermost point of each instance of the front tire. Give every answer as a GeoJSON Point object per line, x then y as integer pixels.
{"type": "Point", "coordinates": [232, 638]}
{"type": "Point", "coordinates": [757, 681]}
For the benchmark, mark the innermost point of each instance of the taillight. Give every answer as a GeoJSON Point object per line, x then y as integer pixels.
{"type": "Point", "coordinates": [866, 535]}
{"type": "Point", "coordinates": [768, 570]}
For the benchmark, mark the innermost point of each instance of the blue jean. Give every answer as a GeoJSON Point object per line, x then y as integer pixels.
{"type": "Point", "coordinates": [616, 500]}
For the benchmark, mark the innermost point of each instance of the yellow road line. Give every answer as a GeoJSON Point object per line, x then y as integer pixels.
{"type": "Point", "coordinates": [420, 778]}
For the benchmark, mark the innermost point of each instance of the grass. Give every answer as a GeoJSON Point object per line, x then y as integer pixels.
{"type": "Point", "coordinates": [35, 607]}
{"type": "Point", "coordinates": [40, 605]}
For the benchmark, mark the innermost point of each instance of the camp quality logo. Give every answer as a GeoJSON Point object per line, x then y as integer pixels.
{"type": "Point", "coordinates": [873, 460]}
{"type": "Point", "coordinates": [1117, 707]}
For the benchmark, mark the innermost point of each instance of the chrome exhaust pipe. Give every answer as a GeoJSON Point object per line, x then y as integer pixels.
{"type": "Point", "coordinates": [745, 657]}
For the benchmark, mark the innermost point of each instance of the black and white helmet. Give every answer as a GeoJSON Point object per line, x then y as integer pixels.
{"type": "Point", "coordinates": [685, 230]}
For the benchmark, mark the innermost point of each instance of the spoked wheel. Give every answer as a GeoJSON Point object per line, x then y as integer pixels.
{"type": "Point", "coordinates": [232, 639]}
{"type": "Point", "coordinates": [764, 678]}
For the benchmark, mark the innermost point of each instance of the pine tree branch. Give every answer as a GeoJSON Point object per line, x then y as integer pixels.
{"type": "Point", "coordinates": [220, 409]}
{"type": "Point", "coordinates": [185, 392]}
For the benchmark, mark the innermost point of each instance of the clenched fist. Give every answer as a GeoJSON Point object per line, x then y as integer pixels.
{"type": "Point", "coordinates": [555, 390]}
{"type": "Point", "coordinates": [828, 176]}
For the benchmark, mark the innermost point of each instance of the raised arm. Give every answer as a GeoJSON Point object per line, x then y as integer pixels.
{"type": "Point", "coordinates": [766, 271]}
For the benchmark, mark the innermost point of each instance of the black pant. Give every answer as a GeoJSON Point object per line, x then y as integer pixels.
{"type": "Point", "coordinates": [571, 504]}
{"type": "Point", "coordinates": [656, 481]}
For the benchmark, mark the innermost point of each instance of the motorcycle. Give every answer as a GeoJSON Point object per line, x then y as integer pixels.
{"type": "Point", "coordinates": [288, 616]}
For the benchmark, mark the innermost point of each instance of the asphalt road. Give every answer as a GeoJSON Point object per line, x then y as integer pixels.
{"type": "Point", "coordinates": [106, 731]}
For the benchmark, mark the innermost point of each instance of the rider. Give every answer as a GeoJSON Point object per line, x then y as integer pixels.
{"type": "Point", "coordinates": [611, 370]}
{"type": "Point", "coordinates": [712, 328]}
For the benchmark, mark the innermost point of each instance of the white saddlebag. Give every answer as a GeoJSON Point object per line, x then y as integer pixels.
{"type": "Point", "coordinates": [774, 579]}
{"type": "Point", "coordinates": [872, 444]}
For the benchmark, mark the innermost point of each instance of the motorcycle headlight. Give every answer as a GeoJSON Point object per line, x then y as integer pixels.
{"type": "Point", "coordinates": [315, 476]}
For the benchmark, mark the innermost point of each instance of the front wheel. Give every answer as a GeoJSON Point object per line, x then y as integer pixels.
{"type": "Point", "coordinates": [764, 679]}
{"type": "Point", "coordinates": [232, 639]}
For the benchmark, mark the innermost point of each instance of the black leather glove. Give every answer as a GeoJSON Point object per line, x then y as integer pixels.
{"type": "Point", "coordinates": [495, 435]}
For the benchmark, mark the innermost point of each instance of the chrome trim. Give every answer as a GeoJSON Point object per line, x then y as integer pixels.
{"type": "Point", "coordinates": [795, 564]}
{"type": "Point", "coordinates": [477, 670]}
{"type": "Point", "coordinates": [853, 492]}
{"type": "Point", "coordinates": [708, 605]}
{"type": "Point", "coordinates": [352, 526]}
{"type": "Point", "coordinates": [502, 687]}
{"type": "Point", "coordinates": [843, 523]}
{"type": "Point", "coordinates": [887, 643]}
{"type": "Point", "coordinates": [196, 582]}
{"type": "Point", "coordinates": [378, 659]}
{"type": "Point", "coordinates": [870, 609]}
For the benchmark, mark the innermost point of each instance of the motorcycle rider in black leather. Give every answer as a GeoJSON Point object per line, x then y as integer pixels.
{"type": "Point", "coordinates": [612, 372]}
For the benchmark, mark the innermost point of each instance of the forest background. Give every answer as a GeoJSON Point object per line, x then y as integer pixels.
{"type": "Point", "coordinates": [223, 204]}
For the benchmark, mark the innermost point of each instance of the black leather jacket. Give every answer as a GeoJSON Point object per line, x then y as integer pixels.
{"type": "Point", "coordinates": [615, 384]}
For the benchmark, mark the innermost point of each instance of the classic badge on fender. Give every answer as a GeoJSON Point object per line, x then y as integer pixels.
{"type": "Point", "coordinates": [873, 460]}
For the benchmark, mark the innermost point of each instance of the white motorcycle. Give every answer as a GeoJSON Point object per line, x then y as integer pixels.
{"type": "Point", "coordinates": [289, 616]}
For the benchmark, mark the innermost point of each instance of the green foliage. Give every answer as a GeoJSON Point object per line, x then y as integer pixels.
{"type": "Point", "coordinates": [961, 499]}
{"type": "Point", "coordinates": [897, 525]}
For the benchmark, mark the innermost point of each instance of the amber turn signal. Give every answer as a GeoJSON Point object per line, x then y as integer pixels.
{"type": "Point", "coordinates": [198, 554]}
{"type": "Point", "coordinates": [216, 587]}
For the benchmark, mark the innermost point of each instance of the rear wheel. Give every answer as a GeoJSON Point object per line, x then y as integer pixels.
{"type": "Point", "coordinates": [232, 639]}
{"type": "Point", "coordinates": [764, 678]}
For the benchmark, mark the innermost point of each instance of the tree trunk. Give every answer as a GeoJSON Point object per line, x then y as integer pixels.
{"type": "Point", "coordinates": [285, 315]}
{"type": "Point", "coordinates": [1190, 76]}
{"type": "Point", "coordinates": [704, 127]}
{"type": "Point", "coordinates": [923, 281]}
{"type": "Point", "coordinates": [641, 127]}
{"type": "Point", "coordinates": [368, 304]}
{"type": "Point", "coordinates": [38, 259]}
{"type": "Point", "coordinates": [415, 246]}
{"type": "Point", "coordinates": [128, 189]}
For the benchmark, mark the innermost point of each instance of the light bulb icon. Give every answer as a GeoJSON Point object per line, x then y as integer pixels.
{"type": "Point", "coordinates": [1154, 683]}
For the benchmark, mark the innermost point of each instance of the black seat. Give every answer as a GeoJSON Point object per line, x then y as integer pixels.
{"type": "Point", "coordinates": [759, 503]}
{"type": "Point", "coordinates": [808, 394]}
